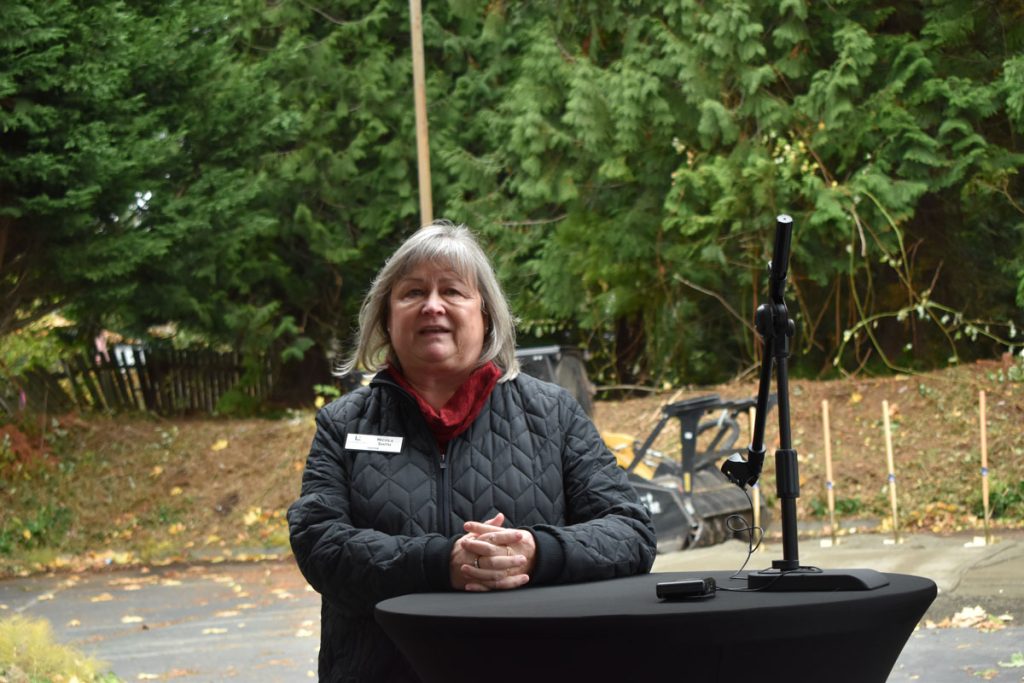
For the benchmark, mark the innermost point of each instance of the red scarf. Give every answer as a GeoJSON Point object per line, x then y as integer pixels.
{"type": "Point", "coordinates": [461, 409]}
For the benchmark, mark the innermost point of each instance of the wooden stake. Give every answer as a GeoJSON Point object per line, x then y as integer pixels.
{"type": "Point", "coordinates": [420, 100]}
{"type": "Point", "coordinates": [829, 486]}
{"type": "Point", "coordinates": [892, 472]}
{"type": "Point", "coordinates": [984, 462]}
{"type": "Point", "coordinates": [755, 490]}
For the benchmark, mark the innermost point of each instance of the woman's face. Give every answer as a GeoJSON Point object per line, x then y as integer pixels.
{"type": "Point", "coordinates": [435, 322]}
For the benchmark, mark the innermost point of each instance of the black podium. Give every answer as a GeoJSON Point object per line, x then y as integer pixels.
{"type": "Point", "coordinates": [619, 630]}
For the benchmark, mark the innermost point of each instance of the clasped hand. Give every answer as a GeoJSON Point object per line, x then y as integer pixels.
{"type": "Point", "coordinates": [490, 557]}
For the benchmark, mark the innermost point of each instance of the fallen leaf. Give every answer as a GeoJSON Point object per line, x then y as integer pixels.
{"type": "Point", "coordinates": [856, 397]}
{"type": "Point", "coordinates": [219, 445]}
{"type": "Point", "coordinates": [131, 619]}
{"type": "Point", "coordinates": [176, 491]}
{"type": "Point", "coordinates": [147, 677]}
{"type": "Point", "coordinates": [45, 596]}
{"type": "Point", "coordinates": [975, 617]}
{"type": "Point", "coordinates": [252, 516]}
{"type": "Point", "coordinates": [73, 623]}
{"type": "Point", "coordinates": [156, 471]}
{"type": "Point", "coordinates": [102, 597]}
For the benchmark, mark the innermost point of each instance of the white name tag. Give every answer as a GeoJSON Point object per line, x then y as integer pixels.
{"type": "Point", "coordinates": [373, 442]}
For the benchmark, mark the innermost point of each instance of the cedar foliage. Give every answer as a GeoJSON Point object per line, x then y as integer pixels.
{"type": "Point", "coordinates": [243, 168]}
{"type": "Point", "coordinates": [648, 147]}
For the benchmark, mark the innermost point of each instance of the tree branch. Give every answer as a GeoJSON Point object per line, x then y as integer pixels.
{"type": "Point", "coordinates": [720, 298]}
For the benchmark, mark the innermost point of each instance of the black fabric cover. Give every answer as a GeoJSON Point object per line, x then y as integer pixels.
{"type": "Point", "coordinates": [619, 630]}
{"type": "Point", "coordinates": [370, 525]}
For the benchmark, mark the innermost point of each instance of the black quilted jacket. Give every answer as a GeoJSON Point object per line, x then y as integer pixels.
{"type": "Point", "coordinates": [374, 525]}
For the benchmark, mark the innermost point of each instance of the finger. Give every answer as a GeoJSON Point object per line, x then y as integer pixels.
{"type": "Point", "coordinates": [509, 582]}
{"type": "Point", "coordinates": [475, 546]}
{"type": "Point", "coordinates": [478, 528]}
{"type": "Point", "coordinates": [493, 534]}
{"type": "Point", "coordinates": [496, 520]}
{"type": "Point", "coordinates": [494, 569]}
{"type": "Point", "coordinates": [496, 564]}
{"type": "Point", "coordinates": [494, 578]}
{"type": "Point", "coordinates": [504, 537]}
{"type": "Point", "coordinates": [485, 549]}
{"type": "Point", "coordinates": [492, 524]}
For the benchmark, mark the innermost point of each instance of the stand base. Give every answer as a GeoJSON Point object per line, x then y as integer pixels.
{"type": "Point", "coordinates": [814, 579]}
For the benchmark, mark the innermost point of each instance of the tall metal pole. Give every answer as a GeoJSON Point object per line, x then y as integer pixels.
{"type": "Point", "coordinates": [420, 100]}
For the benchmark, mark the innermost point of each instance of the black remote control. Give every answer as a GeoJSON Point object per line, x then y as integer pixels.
{"type": "Point", "coordinates": [686, 588]}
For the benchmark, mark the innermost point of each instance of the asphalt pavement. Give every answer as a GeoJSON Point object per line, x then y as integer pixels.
{"type": "Point", "coordinates": [259, 622]}
{"type": "Point", "coordinates": [955, 642]}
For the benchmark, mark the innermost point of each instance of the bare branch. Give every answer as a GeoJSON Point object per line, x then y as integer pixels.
{"type": "Point", "coordinates": [720, 298]}
{"type": "Point", "coordinates": [538, 221]}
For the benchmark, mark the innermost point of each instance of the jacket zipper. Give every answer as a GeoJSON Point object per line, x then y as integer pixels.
{"type": "Point", "coordinates": [445, 499]}
{"type": "Point", "coordinates": [444, 481]}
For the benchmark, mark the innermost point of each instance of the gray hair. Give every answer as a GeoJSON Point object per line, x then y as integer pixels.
{"type": "Point", "coordinates": [454, 246]}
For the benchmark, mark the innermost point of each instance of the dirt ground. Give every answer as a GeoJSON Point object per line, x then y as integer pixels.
{"type": "Point", "coordinates": [935, 434]}
{"type": "Point", "coordinates": [129, 489]}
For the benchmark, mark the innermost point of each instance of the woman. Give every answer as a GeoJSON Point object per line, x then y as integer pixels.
{"type": "Point", "coordinates": [450, 471]}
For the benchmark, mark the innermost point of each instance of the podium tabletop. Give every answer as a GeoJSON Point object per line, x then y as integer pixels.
{"type": "Point", "coordinates": [605, 627]}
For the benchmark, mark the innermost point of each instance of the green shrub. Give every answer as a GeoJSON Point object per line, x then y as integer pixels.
{"type": "Point", "coordinates": [1005, 500]}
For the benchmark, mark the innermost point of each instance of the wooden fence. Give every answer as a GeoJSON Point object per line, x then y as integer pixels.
{"type": "Point", "coordinates": [164, 381]}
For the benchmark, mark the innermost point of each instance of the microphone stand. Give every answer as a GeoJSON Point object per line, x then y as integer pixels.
{"type": "Point", "coordinates": [775, 328]}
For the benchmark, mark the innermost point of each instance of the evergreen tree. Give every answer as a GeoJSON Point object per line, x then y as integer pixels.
{"type": "Point", "coordinates": [642, 150]}
{"type": "Point", "coordinates": [77, 144]}
{"type": "Point", "coordinates": [243, 168]}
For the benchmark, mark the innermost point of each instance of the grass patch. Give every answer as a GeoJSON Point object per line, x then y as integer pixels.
{"type": "Point", "coordinates": [28, 654]}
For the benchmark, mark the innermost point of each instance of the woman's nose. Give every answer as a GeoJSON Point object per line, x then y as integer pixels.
{"type": "Point", "coordinates": [433, 303]}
